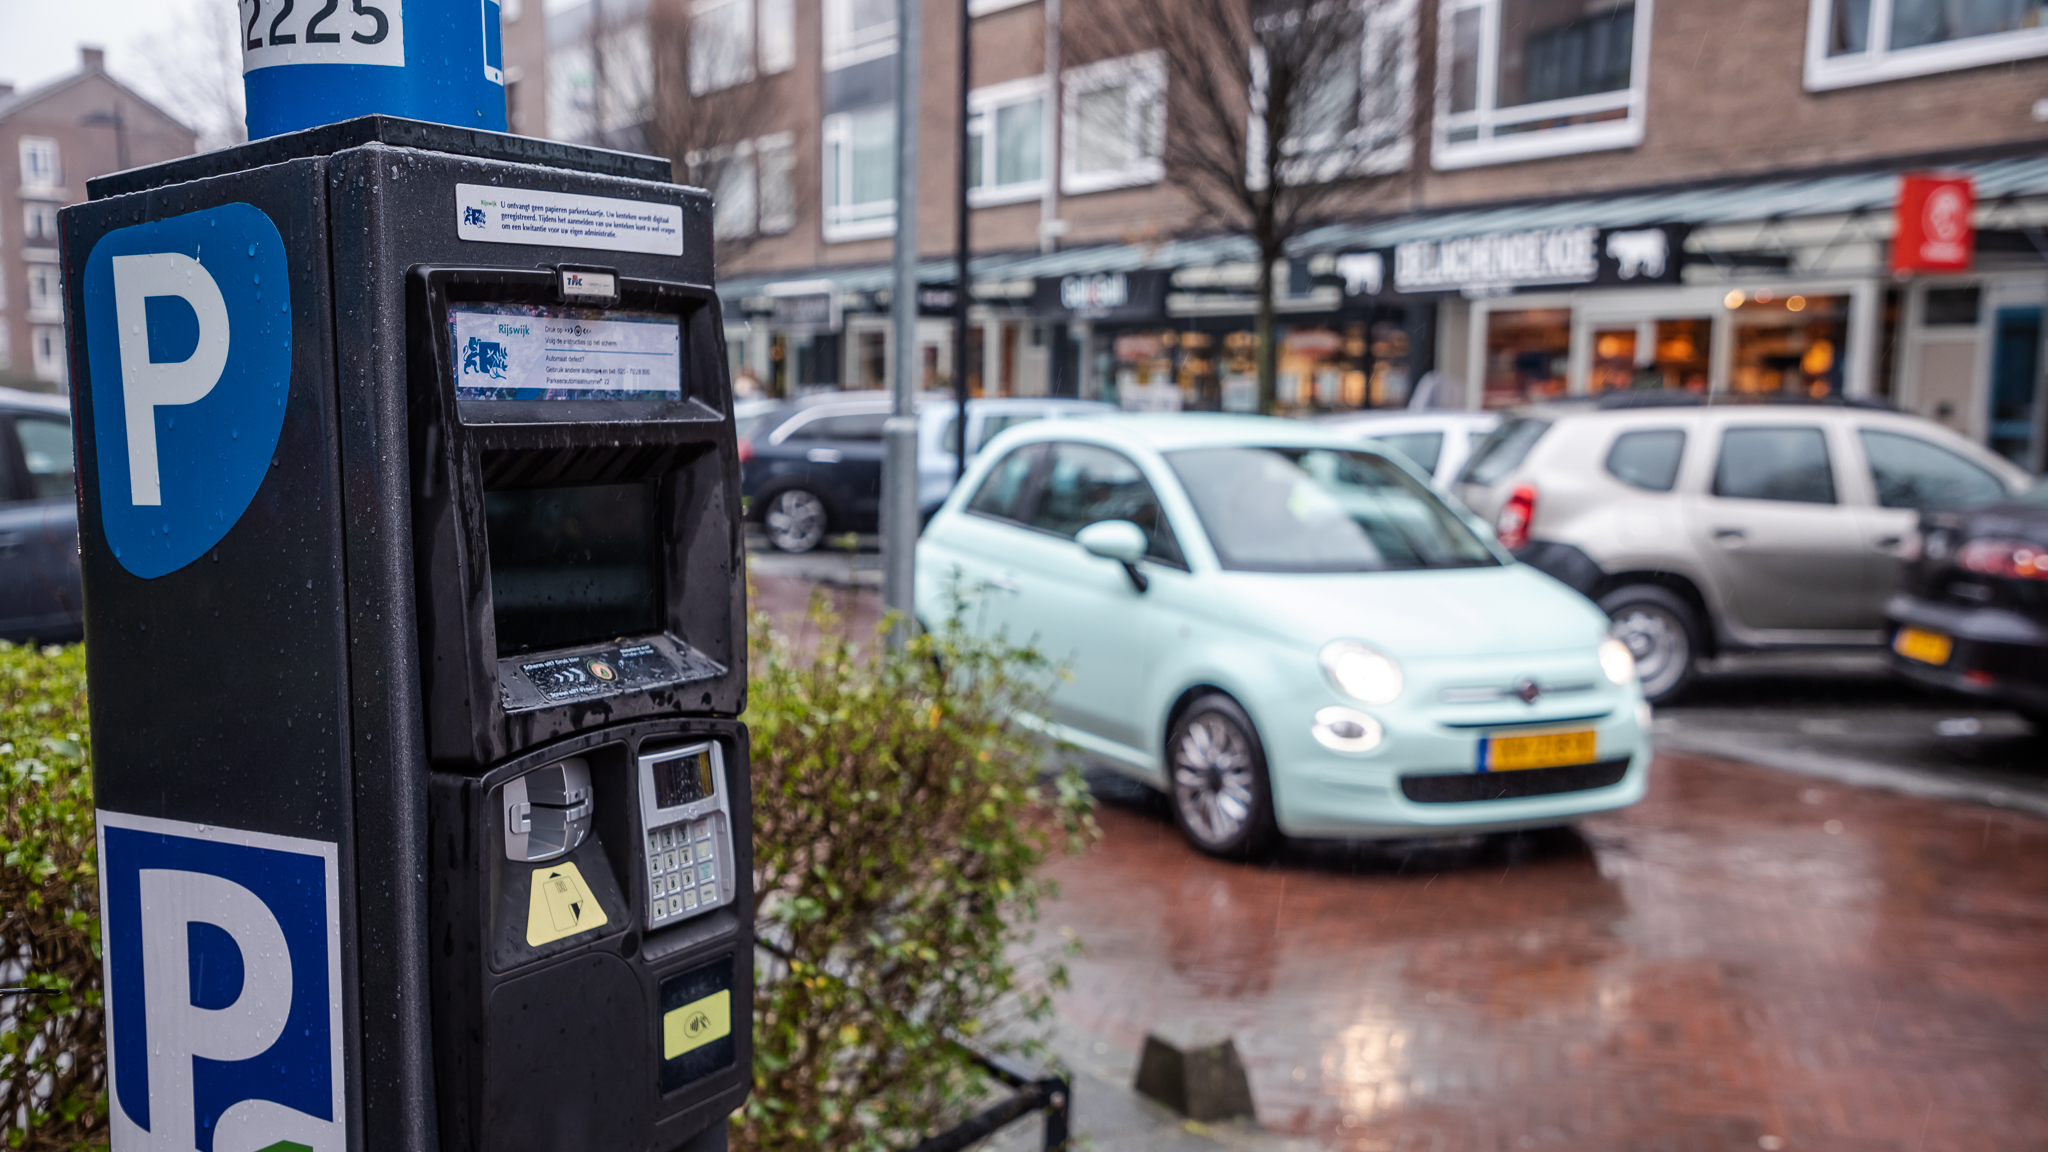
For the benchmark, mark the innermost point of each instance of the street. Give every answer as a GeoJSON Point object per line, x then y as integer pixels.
{"type": "Point", "coordinates": [1838, 944]}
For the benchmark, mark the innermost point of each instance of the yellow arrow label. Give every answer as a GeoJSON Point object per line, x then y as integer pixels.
{"type": "Point", "coordinates": [696, 1024]}
{"type": "Point", "coordinates": [561, 905]}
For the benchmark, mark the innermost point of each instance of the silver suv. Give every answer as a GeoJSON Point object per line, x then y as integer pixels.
{"type": "Point", "coordinates": [1704, 529]}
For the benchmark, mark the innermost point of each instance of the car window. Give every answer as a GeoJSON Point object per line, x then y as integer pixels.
{"type": "Point", "coordinates": [1322, 510]}
{"type": "Point", "coordinates": [1424, 448]}
{"type": "Point", "coordinates": [1087, 485]}
{"type": "Point", "coordinates": [996, 425]}
{"type": "Point", "coordinates": [998, 494]}
{"type": "Point", "coordinates": [1503, 450]}
{"type": "Point", "coordinates": [1909, 472]}
{"type": "Point", "coordinates": [1775, 464]}
{"type": "Point", "coordinates": [46, 449]}
{"type": "Point", "coordinates": [1647, 459]}
{"type": "Point", "coordinates": [853, 426]}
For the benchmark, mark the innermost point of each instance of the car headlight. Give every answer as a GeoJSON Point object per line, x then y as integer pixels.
{"type": "Point", "coordinates": [1360, 672]}
{"type": "Point", "coordinates": [1617, 661]}
{"type": "Point", "coordinates": [1346, 730]}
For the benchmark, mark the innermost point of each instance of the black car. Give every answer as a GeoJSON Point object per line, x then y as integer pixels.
{"type": "Point", "coordinates": [815, 466]}
{"type": "Point", "coordinates": [1972, 612]}
{"type": "Point", "coordinates": [40, 597]}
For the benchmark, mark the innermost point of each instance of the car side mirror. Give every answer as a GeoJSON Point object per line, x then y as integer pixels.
{"type": "Point", "coordinates": [1118, 540]}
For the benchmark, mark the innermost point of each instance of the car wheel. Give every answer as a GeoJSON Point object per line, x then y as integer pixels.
{"type": "Point", "coordinates": [1661, 632]}
{"type": "Point", "coordinates": [1221, 795]}
{"type": "Point", "coordinates": [795, 520]}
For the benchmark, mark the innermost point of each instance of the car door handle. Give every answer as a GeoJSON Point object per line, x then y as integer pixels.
{"type": "Point", "coordinates": [824, 456]}
{"type": "Point", "coordinates": [1004, 584]}
{"type": "Point", "coordinates": [1730, 533]}
{"type": "Point", "coordinates": [1889, 543]}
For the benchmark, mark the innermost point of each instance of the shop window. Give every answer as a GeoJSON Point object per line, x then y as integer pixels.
{"type": "Point", "coordinates": [860, 174]}
{"type": "Point", "coordinates": [871, 360]}
{"type": "Point", "coordinates": [1526, 355]}
{"type": "Point", "coordinates": [1006, 142]}
{"type": "Point", "coordinates": [1789, 345]}
{"type": "Point", "coordinates": [1518, 79]}
{"type": "Point", "coordinates": [39, 223]}
{"type": "Point", "coordinates": [1114, 123]}
{"type": "Point", "coordinates": [1946, 307]}
{"type": "Point", "coordinates": [1356, 119]}
{"type": "Point", "coordinates": [858, 30]}
{"type": "Point", "coordinates": [1657, 354]}
{"type": "Point", "coordinates": [39, 167]}
{"type": "Point", "coordinates": [1852, 42]}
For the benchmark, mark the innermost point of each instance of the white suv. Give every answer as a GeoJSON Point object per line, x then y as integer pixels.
{"type": "Point", "coordinates": [1724, 527]}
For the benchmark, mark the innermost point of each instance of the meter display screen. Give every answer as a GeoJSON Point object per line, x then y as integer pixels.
{"type": "Point", "coordinates": [548, 352]}
{"type": "Point", "coordinates": [683, 781]}
{"type": "Point", "coordinates": [572, 565]}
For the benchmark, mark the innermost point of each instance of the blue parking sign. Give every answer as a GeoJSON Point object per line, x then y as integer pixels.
{"type": "Point", "coordinates": [223, 977]}
{"type": "Point", "coordinates": [188, 335]}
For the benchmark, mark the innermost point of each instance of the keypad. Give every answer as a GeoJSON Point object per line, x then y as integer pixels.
{"type": "Point", "coordinates": [682, 869]}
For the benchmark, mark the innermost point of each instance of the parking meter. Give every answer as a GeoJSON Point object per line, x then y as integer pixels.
{"type": "Point", "coordinates": [415, 625]}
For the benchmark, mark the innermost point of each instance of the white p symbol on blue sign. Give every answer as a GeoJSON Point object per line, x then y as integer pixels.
{"type": "Point", "coordinates": [223, 976]}
{"type": "Point", "coordinates": [188, 339]}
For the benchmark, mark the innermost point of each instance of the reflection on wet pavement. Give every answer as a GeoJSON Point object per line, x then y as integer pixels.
{"type": "Point", "coordinates": [1745, 960]}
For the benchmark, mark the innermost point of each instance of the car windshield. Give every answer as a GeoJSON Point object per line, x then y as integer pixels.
{"type": "Point", "coordinates": [1282, 509]}
{"type": "Point", "coordinates": [1500, 452]}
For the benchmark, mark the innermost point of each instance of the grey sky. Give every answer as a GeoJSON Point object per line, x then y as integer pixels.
{"type": "Point", "coordinates": [41, 37]}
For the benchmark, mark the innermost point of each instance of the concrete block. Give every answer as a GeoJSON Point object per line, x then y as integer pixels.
{"type": "Point", "coordinates": [1193, 1069]}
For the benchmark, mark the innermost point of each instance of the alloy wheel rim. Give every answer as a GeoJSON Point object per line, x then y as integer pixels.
{"type": "Point", "coordinates": [1212, 779]}
{"type": "Point", "coordinates": [795, 521]}
{"type": "Point", "coordinates": [1658, 643]}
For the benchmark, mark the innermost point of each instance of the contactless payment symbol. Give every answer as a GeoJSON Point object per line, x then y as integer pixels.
{"type": "Point", "coordinates": [188, 335]}
{"type": "Point", "coordinates": [223, 976]}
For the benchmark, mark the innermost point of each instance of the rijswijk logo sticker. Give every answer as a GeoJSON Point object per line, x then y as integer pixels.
{"type": "Point", "coordinates": [188, 336]}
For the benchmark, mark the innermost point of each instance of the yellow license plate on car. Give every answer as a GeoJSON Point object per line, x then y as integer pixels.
{"type": "Point", "coordinates": [1537, 750]}
{"type": "Point", "coordinates": [1922, 645]}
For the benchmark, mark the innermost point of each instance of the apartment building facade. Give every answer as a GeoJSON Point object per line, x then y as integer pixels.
{"type": "Point", "coordinates": [52, 140]}
{"type": "Point", "coordinates": [1589, 194]}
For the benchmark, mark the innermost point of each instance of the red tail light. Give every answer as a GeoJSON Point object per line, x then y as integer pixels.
{"type": "Point", "coordinates": [746, 449]}
{"type": "Point", "coordinates": [1516, 516]}
{"type": "Point", "coordinates": [2012, 559]}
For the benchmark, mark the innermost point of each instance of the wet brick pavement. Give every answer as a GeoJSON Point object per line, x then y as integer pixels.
{"type": "Point", "coordinates": [1748, 959]}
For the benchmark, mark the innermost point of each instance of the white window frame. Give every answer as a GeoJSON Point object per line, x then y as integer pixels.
{"type": "Point", "coordinates": [1145, 73]}
{"type": "Point", "coordinates": [1878, 62]}
{"type": "Point", "coordinates": [845, 47]}
{"type": "Point", "coordinates": [45, 299]}
{"type": "Point", "coordinates": [1486, 117]}
{"type": "Point", "coordinates": [982, 104]}
{"type": "Point", "coordinates": [783, 145]}
{"type": "Point", "coordinates": [743, 70]}
{"type": "Point", "coordinates": [984, 7]}
{"type": "Point", "coordinates": [32, 146]}
{"type": "Point", "coordinates": [51, 367]}
{"type": "Point", "coordinates": [6, 349]}
{"type": "Point", "coordinates": [775, 36]}
{"type": "Point", "coordinates": [877, 217]}
{"type": "Point", "coordinates": [1349, 157]}
{"type": "Point", "coordinates": [33, 211]}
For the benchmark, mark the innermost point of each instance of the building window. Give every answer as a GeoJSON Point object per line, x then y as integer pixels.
{"type": "Point", "coordinates": [984, 7]}
{"type": "Point", "coordinates": [6, 351]}
{"type": "Point", "coordinates": [1852, 42]}
{"type": "Point", "coordinates": [777, 31]}
{"type": "Point", "coordinates": [1520, 79]}
{"type": "Point", "coordinates": [858, 30]}
{"type": "Point", "coordinates": [46, 352]}
{"type": "Point", "coordinates": [1356, 120]}
{"type": "Point", "coordinates": [1006, 142]}
{"type": "Point", "coordinates": [750, 185]}
{"type": "Point", "coordinates": [39, 223]}
{"type": "Point", "coordinates": [45, 290]}
{"type": "Point", "coordinates": [1113, 119]}
{"type": "Point", "coordinates": [39, 167]}
{"type": "Point", "coordinates": [723, 41]}
{"type": "Point", "coordinates": [860, 173]}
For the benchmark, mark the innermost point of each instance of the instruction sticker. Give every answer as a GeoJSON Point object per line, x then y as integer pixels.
{"type": "Point", "coordinates": [561, 906]}
{"type": "Point", "coordinates": [566, 220]}
{"type": "Point", "coordinates": [546, 352]}
{"type": "Point", "coordinates": [696, 1024]}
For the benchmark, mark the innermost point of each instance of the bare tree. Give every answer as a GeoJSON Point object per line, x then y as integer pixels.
{"type": "Point", "coordinates": [1279, 114]}
{"type": "Point", "coordinates": [194, 71]}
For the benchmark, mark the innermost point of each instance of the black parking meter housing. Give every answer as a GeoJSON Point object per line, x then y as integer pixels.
{"type": "Point", "coordinates": [489, 644]}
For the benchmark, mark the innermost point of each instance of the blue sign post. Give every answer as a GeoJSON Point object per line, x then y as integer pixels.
{"type": "Point", "coordinates": [311, 62]}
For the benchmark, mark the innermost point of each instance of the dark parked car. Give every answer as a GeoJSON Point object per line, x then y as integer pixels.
{"type": "Point", "coordinates": [1972, 611]}
{"type": "Point", "coordinates": [39, 589]}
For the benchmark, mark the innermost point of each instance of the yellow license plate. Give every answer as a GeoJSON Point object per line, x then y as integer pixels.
{"type": "Point", "coordinates": [1924, 646]}
{"type": "Point", "coordinates": [1538, 750]}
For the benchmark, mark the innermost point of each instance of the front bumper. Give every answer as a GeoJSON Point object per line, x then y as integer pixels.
{"type": "Point", "coordinates": [1423, 779]}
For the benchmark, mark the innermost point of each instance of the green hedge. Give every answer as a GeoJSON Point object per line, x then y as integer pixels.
{"type": "Point", "coordinates": [52, 1047]}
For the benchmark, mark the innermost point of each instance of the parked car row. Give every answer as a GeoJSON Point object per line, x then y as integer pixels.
{"type": "Point", "coordinates": [39, 580]}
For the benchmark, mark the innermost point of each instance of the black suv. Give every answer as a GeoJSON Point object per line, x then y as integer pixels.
{"type": "Point", "coordinates": [39, 588]}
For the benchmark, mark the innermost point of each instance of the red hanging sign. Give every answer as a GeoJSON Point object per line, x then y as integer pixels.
{"type": "Point", "coordinates": [1936, 231]}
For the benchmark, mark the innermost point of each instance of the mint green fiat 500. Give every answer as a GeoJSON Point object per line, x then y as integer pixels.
{"type": "Point", "coordinates": [1287, 632]}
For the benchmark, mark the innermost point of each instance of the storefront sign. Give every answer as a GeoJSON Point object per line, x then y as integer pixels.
{"type": "Point", "coordinates": [811, 308]}
{"type": "Point", "coordinates": [1139, 295]}
{"type": "Point", "coordinates": [1935, 230]}
{"type": "Point", "coordinates": [1494, 262]}
{"type": "Point", "coordinates": [936, 299]}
